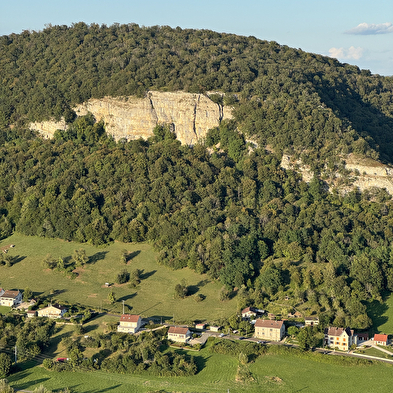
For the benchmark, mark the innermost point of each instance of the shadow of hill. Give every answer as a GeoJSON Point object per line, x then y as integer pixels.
{"type": "Point", "coordinates": [367, 120]}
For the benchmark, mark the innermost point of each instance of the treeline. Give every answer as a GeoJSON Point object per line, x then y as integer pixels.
{"type": "Point", "coordinates": [26, 338]}
{"type": "Point", "coordinates": [283, 97]}
{"type": "Point", "coordinates": [125, 354]}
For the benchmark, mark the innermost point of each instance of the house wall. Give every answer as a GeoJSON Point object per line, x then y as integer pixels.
{"type": "Point", "coordinates": [180, 338]}
{"type": "Point", "coordinates": [51, 312]}
{"type": "Point", "coordinates": [129, 327]}
{"type": "Point", "coordinates": [10, 302]}
{"type": "Point", "coordinates": [342, 342]}
{"type": "Point", "coordinates": [267, 333]}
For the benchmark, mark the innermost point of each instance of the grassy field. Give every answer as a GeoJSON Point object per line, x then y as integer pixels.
{"type": "Point", "coordinates": [152, 298]}
{"type": "Point", "coordinates": [272, 373]}
{"type": "Point", "coordinates": [381, 314]}
{"type": "Point", "coordinates": [4, 309]}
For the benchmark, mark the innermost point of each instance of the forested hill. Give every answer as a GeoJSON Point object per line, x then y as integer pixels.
{"type": "Point", "coordinates": [287, 98]}
{"type": "Point", "coordinates": [231, 212]}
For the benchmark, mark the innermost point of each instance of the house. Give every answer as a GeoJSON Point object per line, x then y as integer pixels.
{"type": "Point", "coordinates": [129, 323]}
{"type": "Point", "coordinates": [271, 316]}
{"type": "Point", "coordinates": [200, 326]}
{"type": "Point", "coordinates": [249, 312]}
{"type": "Point", "coordinates": [380, 339]}
{"type": "Point", "coordinates": [179, 334]}
{"type": "Point", "coordinates": [10, 298]}
{"type": "Point", "coordinates": [215, 328]}
{"type": "Point", "coordinates": [311, 321]}
{"type": "Point", "coordinates": [31, 313]}
{"type": "Point", "coordinates": [269, 330]}
{"type": "Point", "coordinates": [52, 311]}
{"type": "Point", "coordinates": [362, 337]}
{"type": "Point", "coordinates": [341, 338]}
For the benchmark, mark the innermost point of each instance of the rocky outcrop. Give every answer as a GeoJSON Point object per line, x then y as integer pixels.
{"type": "Point", "coordinates": [297, 166]}
{"type": "Point", "coordinates": [48, 128]}
{"type": "Point", "coordinates": [189, 115]}
{"type": "Point", "coordinates": [361, 174]}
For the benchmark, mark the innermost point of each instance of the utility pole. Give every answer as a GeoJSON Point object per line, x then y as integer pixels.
{"type": "Point", "coordinates": [15, 354]}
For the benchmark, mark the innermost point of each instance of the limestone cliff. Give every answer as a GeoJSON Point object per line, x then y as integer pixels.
{"type": "Point", "coordinates": [48, 128]}
{"type": "Point", "coordinates": [360, 174]}
{"type": "Point", "coordinates": [190, 115]}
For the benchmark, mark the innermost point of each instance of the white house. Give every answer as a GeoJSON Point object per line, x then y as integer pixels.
{"type": "Point", "coordinates": [52, 311]}
{"type": "Point", "coordinates": [179, 334]}
{"type": "Point", "coordinates": [129, 323]}
{"type": "Point", "coordinates": [10, 298]}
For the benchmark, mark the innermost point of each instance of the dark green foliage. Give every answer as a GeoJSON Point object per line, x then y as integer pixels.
{"type": "Point", "coordinates": [123, 277]}
{"type": "Point", "coordinates": [227, 213]}
{"type": "Point", "coordinates": [283, 97]}
{"type": "Point", "coordinates": [5, 365]}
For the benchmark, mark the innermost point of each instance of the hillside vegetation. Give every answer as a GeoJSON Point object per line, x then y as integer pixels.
{"type": "Point", "coordinates": [231, 213]}
{"type": "Point", "coordinates": [287, 98]}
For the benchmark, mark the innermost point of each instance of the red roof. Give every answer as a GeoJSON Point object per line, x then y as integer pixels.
{"type": "Point", "coordinates": [178, 330]}
{"type": "Point", "coordinates": [381, 337]}
{"type": "Point", "coordinates": [268, 323]}
{"type": "Point", "coordinates": [129, 318]}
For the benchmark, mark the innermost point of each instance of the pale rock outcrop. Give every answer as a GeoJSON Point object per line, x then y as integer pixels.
{"type": "Point", "coordinates": [189, 115]}
{"type": "Point", "coordinates": [48, 128]}
{"type": "Point", "coordinates": [364, 174]}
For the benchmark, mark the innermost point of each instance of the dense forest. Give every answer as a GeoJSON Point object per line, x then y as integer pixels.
{"type": "Point", "coordinates": [232, 212]}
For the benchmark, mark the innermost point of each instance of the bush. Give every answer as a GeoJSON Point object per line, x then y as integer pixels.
{"type": "Point", "coordinates": [122, 277]}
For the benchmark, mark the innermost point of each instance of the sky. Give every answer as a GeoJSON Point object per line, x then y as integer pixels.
{"type": "Point", "coordinates": [356, 32]}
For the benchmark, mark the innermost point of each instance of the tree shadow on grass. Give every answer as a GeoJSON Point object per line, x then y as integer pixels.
{"type": "Point", "coordinates": [13, 379]}
{"type": "Point", "coordinates": [55, 341]}
{"type": "Point", "coordinates": [200, 362]}
{"type": "Point", "coordinates": [192, 290]}
{"type": "Point", "coordinates": [17, 259]}
{"type": "Point", "coordinates": [146, 275]}
{"type": "Point", "coordinates": [89, 328]}
{"type": "Point", "coordinates": [98, 256]}
{"type": "Point", "coordinates": [202, 283]}
{"type": "Point", "coordinates": [375, 311]}
{"type": "Point", "coordinates": [160, 318]}
{"type": "Point", "coordinates": [127, 297]}
{"type": "Point", "coordinates": [132, 255]}
{"type": "Point", "coordinates": [108, 389]}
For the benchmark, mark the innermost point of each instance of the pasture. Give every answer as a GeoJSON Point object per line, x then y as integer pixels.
{"type": "Point", "coordinates": [153, 297]}
{"type": "Point", "coordinates": [271, 373]}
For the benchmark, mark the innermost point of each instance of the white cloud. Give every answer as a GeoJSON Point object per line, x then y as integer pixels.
{"type": "Point", "coordinates": [343, 53]}
{"type": "Point", "coordinates": [371, 29]}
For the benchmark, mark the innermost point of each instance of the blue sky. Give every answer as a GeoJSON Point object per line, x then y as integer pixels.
{"type": "Point", "coordinates": [357, 32]}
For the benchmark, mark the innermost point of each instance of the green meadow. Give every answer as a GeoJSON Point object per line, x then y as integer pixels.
{"type": "Point", "coordinates": [271, 373]}
{"type": "Point", "coordinates": [153, 297]}
{"type": "Point", "coordinates": [381, 314]}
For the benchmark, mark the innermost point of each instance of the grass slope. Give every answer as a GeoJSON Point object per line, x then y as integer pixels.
{"type": "Point", "coordinates": [152, 298]}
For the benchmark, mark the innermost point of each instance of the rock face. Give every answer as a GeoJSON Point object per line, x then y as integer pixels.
{"type": "Point", "coordinates": [362, 174]}
{"type": "Point", "coordinates": [48, 128]}
{"type": "Point", "coordinates": [189, 115]}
